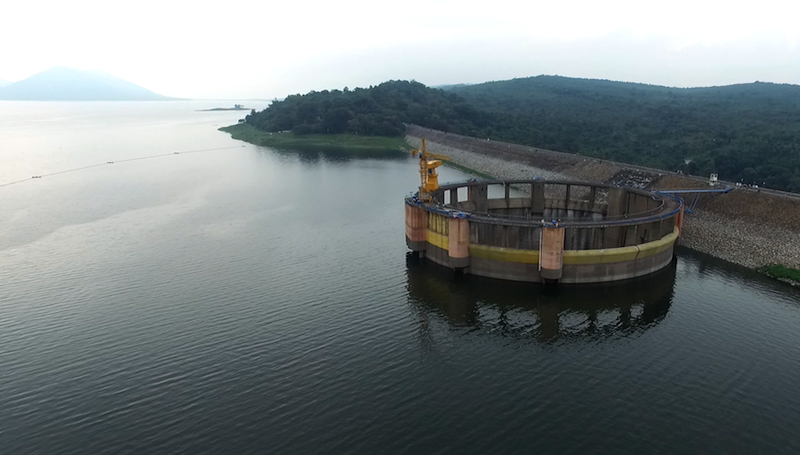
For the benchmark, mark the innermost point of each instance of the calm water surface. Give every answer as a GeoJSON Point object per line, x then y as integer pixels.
{"type": "Point", "coordinates": [249, 300]}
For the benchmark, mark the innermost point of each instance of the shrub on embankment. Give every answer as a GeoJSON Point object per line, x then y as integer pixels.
{"type": "Point", "coordinates": [782, 273]}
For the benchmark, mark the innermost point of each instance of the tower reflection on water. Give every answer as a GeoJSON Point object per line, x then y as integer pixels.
{"type": "Point", "coordinates": [537, 312]}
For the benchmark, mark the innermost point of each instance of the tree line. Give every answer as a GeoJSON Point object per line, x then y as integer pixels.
{"type": "Point", "coordinates": [382, 110]}
{"type": "Point", "coordinates": [746, 132]}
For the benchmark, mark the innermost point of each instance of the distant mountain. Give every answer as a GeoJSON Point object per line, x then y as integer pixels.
{"type": "Point", "coordinates": [4, 82]}
{"type": "Point", "coordinates": [61, 83]}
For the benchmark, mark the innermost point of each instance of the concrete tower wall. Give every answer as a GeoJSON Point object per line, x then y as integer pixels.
{"type": "Point", "coordinates": [603, 233]}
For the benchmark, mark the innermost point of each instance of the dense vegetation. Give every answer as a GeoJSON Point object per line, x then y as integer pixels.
{"type": "Point", "coordinates": [746, 132]}
{"type": "Point", "coordinates": [376, 111]}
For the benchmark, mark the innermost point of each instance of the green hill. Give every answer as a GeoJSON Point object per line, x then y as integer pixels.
{"type": "Point", "coordinates": [382, 110]}
{"type": "Point", "coordinates": [746, 132]}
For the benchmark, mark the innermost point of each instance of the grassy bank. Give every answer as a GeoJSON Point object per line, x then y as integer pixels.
{"type": "Point", "coordinates": [255, 136]}
{"type": "Point", "coordinates": [787, 274]}
{"type": "Point", "coordinates": [329, 142]}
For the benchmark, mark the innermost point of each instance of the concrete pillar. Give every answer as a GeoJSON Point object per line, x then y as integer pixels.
{"type": "Point", "coordinates": [454, 197]}
{"type": "Point", "coordinates": [537, 198]}
{"type": "Point", "coordinates": [416, 228]}
{"type": "Point", "coordinates": [641, 203]}
{"type": "Point", "coordinates": [458, 242]}
{"type": "Point", "coordinates": [617, 208]}
{"type": "Point", "coordinates": [481, 195]}
{"type": "Point", "coordinates": [598, 238]}
{"type": "Point", "coordinates": [551, 256]}
{"type": "Point", "coordinates": [617, 202]}
{"type": "Point", "coordinates": [478, 194]}
{"type": "Point", "coordinates": [631, 235]}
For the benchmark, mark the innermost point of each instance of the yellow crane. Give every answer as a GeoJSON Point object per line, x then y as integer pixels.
{"type": "Point", "coordinates": [428, 162]}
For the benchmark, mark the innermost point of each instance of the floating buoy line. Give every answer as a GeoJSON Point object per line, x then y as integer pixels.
{"type": "Point", "coordinates": [161, 155]}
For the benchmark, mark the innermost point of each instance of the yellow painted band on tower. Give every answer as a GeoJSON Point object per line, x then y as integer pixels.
{"type": "Point", "coordinates": [573, 257]}
{"type": "Point", "coordinates": [438, 240]}
{"type": "Point", "coordinates": [497, 253]}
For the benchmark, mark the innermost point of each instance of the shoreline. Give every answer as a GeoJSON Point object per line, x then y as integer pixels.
{"type": "Point", "coordinates": [314, 142]}
{"type": "Point", "coordinates": [318, 142]}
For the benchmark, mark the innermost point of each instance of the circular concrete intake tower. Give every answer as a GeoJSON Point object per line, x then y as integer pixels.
{"type": "Point", "coordinates": [545, 231]}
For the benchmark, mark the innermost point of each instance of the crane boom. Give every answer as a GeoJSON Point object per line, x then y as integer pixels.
{"type": "Point", "coordinates": [428, 162]}
{"type": "Point", "coordinates": [437, 156]}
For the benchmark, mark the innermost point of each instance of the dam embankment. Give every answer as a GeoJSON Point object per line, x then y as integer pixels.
{"type": "Point", "coordinates": [748, 227]}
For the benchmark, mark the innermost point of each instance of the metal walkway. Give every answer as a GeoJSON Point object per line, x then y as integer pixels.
{"type": "Point", "coordinates": [697, 193]}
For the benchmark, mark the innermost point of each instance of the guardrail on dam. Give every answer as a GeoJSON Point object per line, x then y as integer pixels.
{"type": "Point", "coordinates": [559, 231]}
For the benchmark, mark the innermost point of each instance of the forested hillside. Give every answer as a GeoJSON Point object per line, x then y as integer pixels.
{"type": "Point", "coordinates": [376, 111]}
{"type": "Point", "coordinates": [746, 132]}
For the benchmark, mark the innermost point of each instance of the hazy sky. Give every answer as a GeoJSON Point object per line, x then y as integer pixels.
{"type": "Point", "coordinates": [269, 49]}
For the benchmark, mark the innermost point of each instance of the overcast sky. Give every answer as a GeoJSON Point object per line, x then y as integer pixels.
{"type": "Point", "coordinates": [268, 49]}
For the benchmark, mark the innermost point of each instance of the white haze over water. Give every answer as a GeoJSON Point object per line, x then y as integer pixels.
{"type": "Point", "coordinates": [270, 49]}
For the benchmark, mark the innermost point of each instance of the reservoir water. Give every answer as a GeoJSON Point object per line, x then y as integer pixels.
{"type": "Point", "coordinates": [242, 300]}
